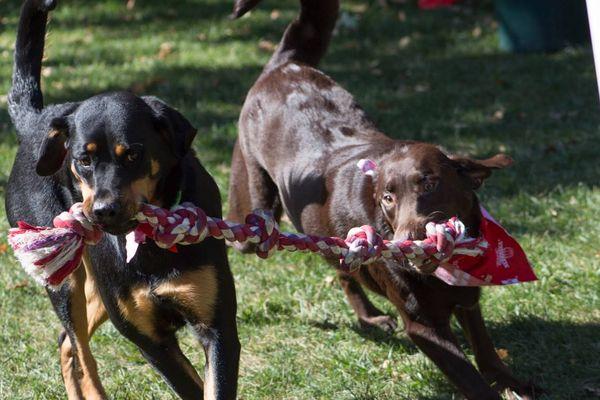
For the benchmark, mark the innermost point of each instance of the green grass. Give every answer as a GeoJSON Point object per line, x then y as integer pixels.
{"type": "Point", "coordinates": [437, 76]}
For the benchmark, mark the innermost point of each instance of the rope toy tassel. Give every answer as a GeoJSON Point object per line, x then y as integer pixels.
{"type": "Point", "coordinates": [49, 255]}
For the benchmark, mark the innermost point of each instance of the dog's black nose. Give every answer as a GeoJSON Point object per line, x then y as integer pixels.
{"type": "Point", "coordinates": [106, 211]}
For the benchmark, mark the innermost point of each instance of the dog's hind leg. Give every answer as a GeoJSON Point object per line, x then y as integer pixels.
{"type": "Point", "coordinates": [239, 191]}
{"type": "Point", "coordinates": [84, 312]}
{"type": "Point", "coordinates": [488, 361]}
{"type": "Point", "coordinates": [250, 188]}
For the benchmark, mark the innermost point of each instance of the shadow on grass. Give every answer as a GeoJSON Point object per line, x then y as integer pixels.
{"type": "Point", "coordinates": [554, 354]}
{"type": "Point", "coordinates": [396, 339]}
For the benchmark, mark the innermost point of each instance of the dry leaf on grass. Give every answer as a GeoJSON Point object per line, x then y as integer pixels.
{"type": "Point", "coordinates": [498, 115]}
{"type": "Point", "coordinates": [404, 42]}
{"type": "Point", "coordinates": [142, 87]}
{"type": "Point", "coordinates": [165, 50]}
{"type": "Point", "coordinates": [502, 353]}
{"type": "Point", "coordinates": [422, 87]}
{"type": "Point", "coordinates": [19, 285]}
{"type": "Point", "coordinates": [329, 280]}
{"type": "Point", "coordinates": [267, 45]}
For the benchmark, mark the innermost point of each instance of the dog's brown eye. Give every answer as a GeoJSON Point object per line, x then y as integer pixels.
{"type": "Point", "coordinates": [85, 161]}
{"type": "Point", "coordinates": [388, 198]}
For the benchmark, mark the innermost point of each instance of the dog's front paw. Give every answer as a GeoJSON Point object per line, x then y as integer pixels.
{"type": "Point", "coordinates": [384, 322]}
{"type": "Point", "coordinates": [524, 391]}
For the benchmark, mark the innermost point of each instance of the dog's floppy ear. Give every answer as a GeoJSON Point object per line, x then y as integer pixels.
{"type": "Point", "coordinates": [173, 126]}
{"type": "Point", "coordinates": [54, 147]}
{"type": "Point", "coordinates": [478, 170]}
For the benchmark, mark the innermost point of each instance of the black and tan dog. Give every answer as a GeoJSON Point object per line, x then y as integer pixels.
{"type": "Point", "coordinates": [300, 137]}
{"type": "Point", "coordinates": [114, 151]}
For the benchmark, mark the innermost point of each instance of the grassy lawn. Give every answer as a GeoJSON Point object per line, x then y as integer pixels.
{"type": "Point", "coordinates": [432, 76]}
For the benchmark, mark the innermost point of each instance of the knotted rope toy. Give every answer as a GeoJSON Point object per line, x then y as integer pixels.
{"type": "Point", "coordinates": [49, 255]}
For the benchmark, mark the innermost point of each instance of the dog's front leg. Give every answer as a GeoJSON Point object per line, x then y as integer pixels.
{"type": "Point", "coordinates": [222, 350]}
{"type": "Point", "coordinates": [488, 361]}
{"type": "Point", "coordinates": [436, 340]}
{"type": "Point", "coordinates": [82, 312]}
{"type": "Point", "coordinates": [216, 327]}
{"type": "Point", "coordinates": [368, 315]}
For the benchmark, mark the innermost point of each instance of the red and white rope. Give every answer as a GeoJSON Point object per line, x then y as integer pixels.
{"type": "Point", "coordinates": [51, 254]}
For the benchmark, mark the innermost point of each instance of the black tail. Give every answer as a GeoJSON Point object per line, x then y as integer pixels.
{"type": "Point", "coordinates": [307, 37]}
{"type": "Point", "coordinates": [26, 94]}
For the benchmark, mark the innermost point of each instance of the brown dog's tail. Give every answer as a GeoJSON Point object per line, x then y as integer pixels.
{"type": "Point", "coordinates": [26, 93]}
{"type": "Point", "coordinates": [306, 39]}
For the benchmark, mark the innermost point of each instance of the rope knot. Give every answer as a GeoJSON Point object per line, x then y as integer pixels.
{"type": "Point", "coordinates": [263, 225]}
{"type": "Point", "coordinates": [75, 220]}
{"type": "Point", "coordinates": [365, 246]}
{"type": "Point", "coordinates": [183, 224]}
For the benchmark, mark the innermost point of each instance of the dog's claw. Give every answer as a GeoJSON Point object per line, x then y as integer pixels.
{"type": "Point", "coordinates": [384, 322]}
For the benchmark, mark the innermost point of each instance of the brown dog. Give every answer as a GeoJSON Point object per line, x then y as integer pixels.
{"type": "Point", "coordinates": [300, 137]}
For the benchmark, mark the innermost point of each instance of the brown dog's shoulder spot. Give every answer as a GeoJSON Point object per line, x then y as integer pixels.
{"type": "Point", "coordinates": [138, 308]}
{"type": "Point", "coordinates": [195, 291]}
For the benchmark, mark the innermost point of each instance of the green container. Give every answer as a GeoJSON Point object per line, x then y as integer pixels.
{"type": "Point", "coordinates": [541, 25]}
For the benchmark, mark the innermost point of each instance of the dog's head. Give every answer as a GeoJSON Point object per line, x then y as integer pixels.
{"type": "Point", "coordinates": [417, 183]}
{"type": "Point", "coordinates": [120, 149]}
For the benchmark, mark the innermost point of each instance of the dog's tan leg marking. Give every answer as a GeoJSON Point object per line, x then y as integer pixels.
{"type": "Point", "coordinates": [195, 292]}
{"type": "Point", "coordinates": [138, 309]}
{"type": "Point", "coordinates": [87, 313]}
